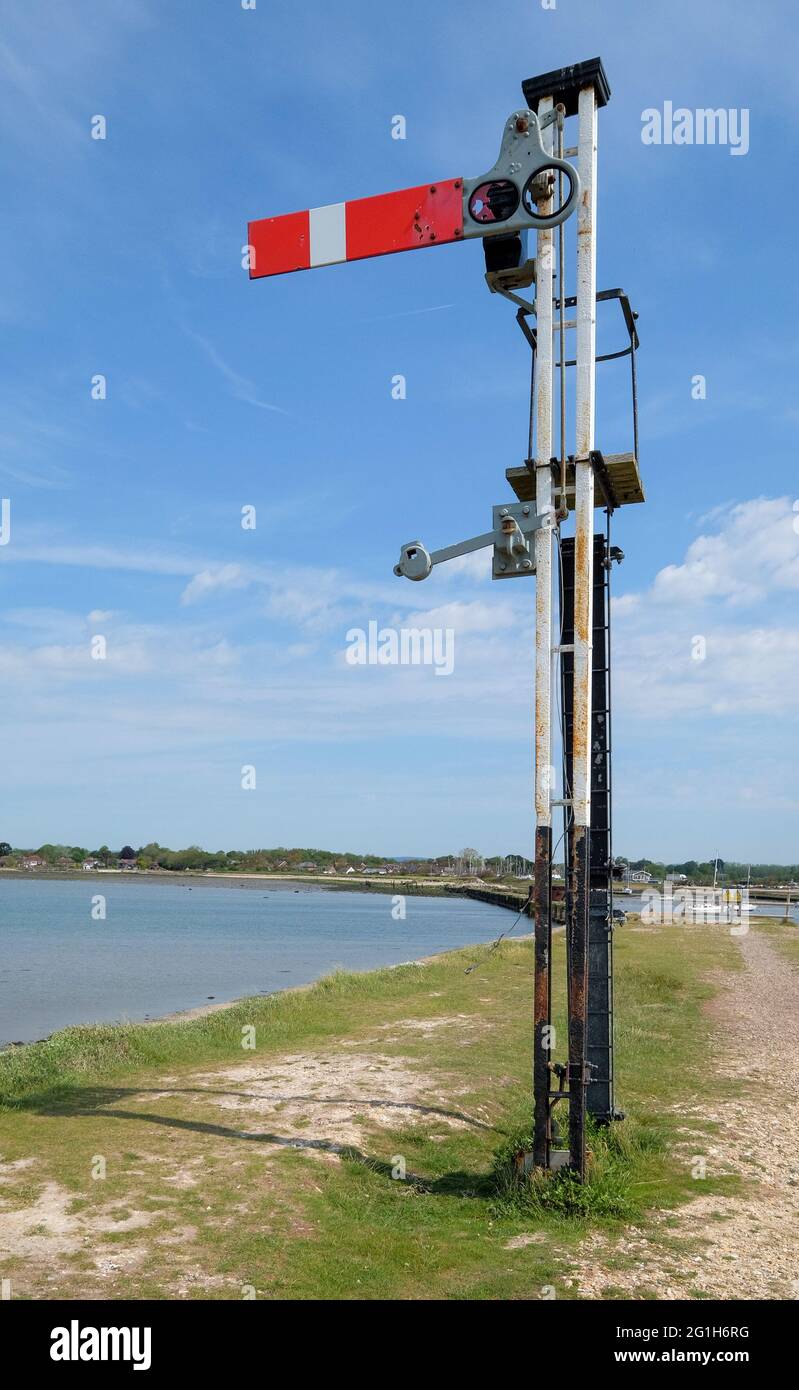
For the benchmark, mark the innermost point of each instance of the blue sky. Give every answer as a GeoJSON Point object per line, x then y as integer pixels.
{"type": "Point", "coordinates": [226, 647]}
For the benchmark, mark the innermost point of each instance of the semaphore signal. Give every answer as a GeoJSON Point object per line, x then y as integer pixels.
{"type": "Point", "coordinates": [533, 188]}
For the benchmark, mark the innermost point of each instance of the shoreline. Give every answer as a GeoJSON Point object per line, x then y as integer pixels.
{"type": "Point", "coordinates": [199, 1011]}
{"type": "Point", "coordinates": [203, 1010]}
{"type": "Point", "coordinates": [275, 881]}
{"type": "Point", "coordinates": [176, 876]}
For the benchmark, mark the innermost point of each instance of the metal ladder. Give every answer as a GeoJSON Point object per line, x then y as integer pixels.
{"type": "Point", "coordinates": [599, 1032]}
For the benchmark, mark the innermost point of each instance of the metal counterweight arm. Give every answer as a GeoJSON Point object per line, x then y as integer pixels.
{"type": "Point", "coordinates": [416, 562]}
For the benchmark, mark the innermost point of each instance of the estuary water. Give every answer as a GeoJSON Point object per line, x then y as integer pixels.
{"type": "Point", "coordinates": [168, 946]}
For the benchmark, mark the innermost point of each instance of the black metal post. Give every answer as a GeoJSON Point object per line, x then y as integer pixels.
{"type": "Point", "coordinates": [542, 996]}
{"type": "Point", "coordinates": [599, 1039]}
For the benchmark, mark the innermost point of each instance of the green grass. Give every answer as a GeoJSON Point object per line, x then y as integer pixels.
{"type": "Point", "coordinates": [617, 1157]}
{"type": "Point", "coordinates": [73, 1057]}
{"type": "Point", "coordinates": [302, 1224]}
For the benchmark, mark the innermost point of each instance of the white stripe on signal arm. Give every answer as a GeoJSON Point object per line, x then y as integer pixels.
{"type": "Point", "coordinates": [328, 234]}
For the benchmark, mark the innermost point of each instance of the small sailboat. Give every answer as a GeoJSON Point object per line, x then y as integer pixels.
{"type": "Point", "coordinates": [747, 906]}
{"type": "Point", "coordinates": [712, 908]}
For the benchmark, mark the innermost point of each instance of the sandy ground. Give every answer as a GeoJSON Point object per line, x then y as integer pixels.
{"type": "Point", "coordinates": [744, 1246]}
{"type": "Point", "coordinates": [324, 1102]}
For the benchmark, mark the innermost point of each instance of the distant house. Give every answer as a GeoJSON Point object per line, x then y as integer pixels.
{"type": "Point", "coordinates": [393, 869]}
{"type": "Point", "coordinates": [127, 865]}
{"type": "Point", "coordinates": [350, 870]}
{"type": "Point", "coordinates": [33, 861]}
{"type": "Point", "coordinates": [308, 867]}
{"type": "Point", "coordinates": [640, 876]}
{"type": "Point", "coordinates": [282, 864]}
{"type": "Point", "coordinates": [89, 864]}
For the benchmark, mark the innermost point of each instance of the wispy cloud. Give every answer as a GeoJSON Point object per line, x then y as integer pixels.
{"type": "Point", "coordinates": [100, 557]}
{"type": "Point", "coordinates": [240, 386]}
{"type": "Point", "coordinates": [221, 578]}
{"type": "Point", "coordinates": [27, 443]}
{"type": "Point", "coordinates": [408, 313]}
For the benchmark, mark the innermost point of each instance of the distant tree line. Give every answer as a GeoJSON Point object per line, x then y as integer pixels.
{"type": "Point", "coordinates": [467, 863]}
{"type": "Point", "coordinates": [727, 870]}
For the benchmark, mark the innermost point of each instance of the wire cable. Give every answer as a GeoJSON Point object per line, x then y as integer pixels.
{"type": "Point", "coordinates": [501, 937]}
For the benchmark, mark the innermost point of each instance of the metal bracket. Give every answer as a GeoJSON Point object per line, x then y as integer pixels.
{"type": "Point", "coordinates": [505, 199]}
{"type": "Point", "coordinates": [512, 554]}
{"type": "Point", "coordinates": [505, 281]}
{"type": "Point", "coordinates": [514, 524]}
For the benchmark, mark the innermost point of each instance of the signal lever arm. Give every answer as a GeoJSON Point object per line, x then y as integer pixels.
{"type": "Point", "coordinates": [510, 537]}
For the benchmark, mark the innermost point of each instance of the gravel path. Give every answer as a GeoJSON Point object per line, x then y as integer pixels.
{"type": "Point", "coordinates": [744, 1246]}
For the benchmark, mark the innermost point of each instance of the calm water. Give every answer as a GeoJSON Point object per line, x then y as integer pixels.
{"type": "Point", "coordinates": [766, 909]}
{"type": "Point", "coordinates": [164, 947]}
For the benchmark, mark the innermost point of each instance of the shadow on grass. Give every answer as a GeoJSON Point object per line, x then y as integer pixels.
{"type": "Point", "coordinates": [104, 1102]}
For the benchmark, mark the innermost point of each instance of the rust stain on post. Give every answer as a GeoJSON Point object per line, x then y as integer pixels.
{"type": "Point", "coordinates": [582, 637]}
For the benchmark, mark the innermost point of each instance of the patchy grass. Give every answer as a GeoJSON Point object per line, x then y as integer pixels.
{"type": "Point", "coordinates": [617, 1157]}
{"type": "Point", "coordinates": [782, 934]}
{"type": "Point", "coordinates": [219, 1178]}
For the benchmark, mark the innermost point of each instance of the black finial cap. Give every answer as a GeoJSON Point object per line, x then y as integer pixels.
{"type": "Point", "coordinates": [565, 84]}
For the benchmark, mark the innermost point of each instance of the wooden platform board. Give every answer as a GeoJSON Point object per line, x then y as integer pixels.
{"type": "Point", "coordinates": [622, 472]}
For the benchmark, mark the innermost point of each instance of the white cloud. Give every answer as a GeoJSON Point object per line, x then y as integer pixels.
{"type": "Point", "coordinates": [475, 617]}
{"type": "Point", "coordinates": [755, 553]}
{"type": "Point", "coordinates": [694, 609]}
{"type": "Point", "coordinates": [220, 578]}
{"type": "Point", "coordinates": [180, 689]}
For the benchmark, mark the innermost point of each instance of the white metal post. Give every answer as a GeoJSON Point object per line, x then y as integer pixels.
{"type": "Point", "coordinates": [584, 443]}
{"type": "Point", "coordinates": [542, 1004]}
{"type": "Point", "coordinates": [543, 499]}
{"type": "Point", "coordinates": [579, 859]}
